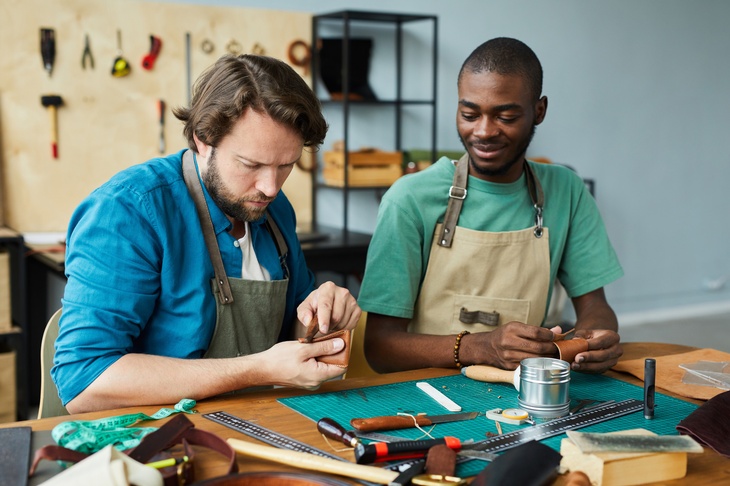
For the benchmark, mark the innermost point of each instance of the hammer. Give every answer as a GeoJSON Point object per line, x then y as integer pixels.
{"type": "Point", "coordinates": [52, 102]}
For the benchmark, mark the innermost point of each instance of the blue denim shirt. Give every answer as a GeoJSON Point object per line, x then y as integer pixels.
{"type": "Point", "coordinates": [139, 272]}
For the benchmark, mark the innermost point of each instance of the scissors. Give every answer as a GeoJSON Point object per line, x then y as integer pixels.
{"type": "Point", "coordinates": [87, 54]}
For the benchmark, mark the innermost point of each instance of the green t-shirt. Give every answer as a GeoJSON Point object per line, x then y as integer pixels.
{"type": "Point", "coordinates": [581, 255]}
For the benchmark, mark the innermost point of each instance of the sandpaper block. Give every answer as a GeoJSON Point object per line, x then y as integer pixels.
{"type": "Point", "coordinates": [588, 442]}
{"type": "Point", "coordinates": [14, 456]}
{"type": "Point", "coordinates": [624, 468]}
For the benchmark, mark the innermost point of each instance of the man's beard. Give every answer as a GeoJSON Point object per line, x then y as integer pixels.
{"type": "Point", "coordinates": [232, 206]}
{"type": "Point", "coordinates": [504, 168]}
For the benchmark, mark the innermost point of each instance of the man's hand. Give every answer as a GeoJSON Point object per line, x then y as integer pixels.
{"type": "Point", "coordinates": [596, 322]}
{"type": "Point", "coordinates": [335, 307]}
{"type": "Point", "coordinates": [291, 363]}
{"type": "Point", "coordinates": [507, 345]}
{"type": "Point", "coordinates": [604, 350]}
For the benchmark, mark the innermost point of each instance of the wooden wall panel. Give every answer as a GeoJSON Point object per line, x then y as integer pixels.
{"type": "Point", "coordinates": [108, 123]}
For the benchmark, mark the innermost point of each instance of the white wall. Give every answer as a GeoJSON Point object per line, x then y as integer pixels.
{"type": "Point", "coordinates": [638, 98]}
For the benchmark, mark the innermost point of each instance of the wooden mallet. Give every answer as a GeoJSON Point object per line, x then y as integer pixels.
{"type": "Point", "coordinates": [52, 102]}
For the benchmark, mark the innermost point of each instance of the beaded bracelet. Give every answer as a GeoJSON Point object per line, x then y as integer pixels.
{"type": "Point", "coordinates": [457, 345]}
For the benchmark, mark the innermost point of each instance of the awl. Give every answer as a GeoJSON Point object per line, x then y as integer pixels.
{"type": "Point", "coordinates": [391, 422]}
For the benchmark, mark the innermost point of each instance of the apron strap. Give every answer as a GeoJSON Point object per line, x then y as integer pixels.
{"type": "Point", "coordinates": [281, 247]}
{"type": "Point", "coordinates": [457, 194]}
{"type": "Point", "coordinates": [537, 196]}
{"type": "Point", "coordinates": [196, 192]}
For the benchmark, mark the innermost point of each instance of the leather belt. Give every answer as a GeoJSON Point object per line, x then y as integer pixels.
{"type": "Point", "coordinates": [178, 430]}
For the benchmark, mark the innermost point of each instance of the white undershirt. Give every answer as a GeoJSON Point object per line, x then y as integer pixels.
{"type": "Point", "coordinates": [251, 269]}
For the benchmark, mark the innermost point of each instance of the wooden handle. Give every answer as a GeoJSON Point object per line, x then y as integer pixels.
{"type": "Point", "coordinates": [491, 374]}
{"type": "Point", "coordinates": [388, 423]}
{"type": "Point", "coordinates": [332, 430]}
{"type": "Point", "coordinates": [311, 462]}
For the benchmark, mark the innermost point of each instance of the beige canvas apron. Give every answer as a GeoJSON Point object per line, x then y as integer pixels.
{"type": "Point", "coordinates": [249, 313]}
{"type": "Point", "coordinates": [479, 280]}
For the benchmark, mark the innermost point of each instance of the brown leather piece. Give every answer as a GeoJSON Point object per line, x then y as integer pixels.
{"type": "Point", "coordinates": [341, 359]}
{"type": "Point", "coordinates": [568, 349]}
{"type": "Point", "coordinates": [441, 460]}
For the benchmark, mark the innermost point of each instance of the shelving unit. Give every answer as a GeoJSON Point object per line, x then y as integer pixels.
{"type": "Point", "coordinates": [349, 107]}
{"type": "Point", "coordinates": [17, 337]}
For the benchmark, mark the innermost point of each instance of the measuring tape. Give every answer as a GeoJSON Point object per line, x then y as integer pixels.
{"type": "Point", "coordinates": [558, 426]}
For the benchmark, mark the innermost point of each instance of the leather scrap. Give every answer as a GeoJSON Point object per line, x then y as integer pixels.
{"type": "Point", "coordinates": [441, 460]}
{"type": "Point", "coordinates": [709, 424]}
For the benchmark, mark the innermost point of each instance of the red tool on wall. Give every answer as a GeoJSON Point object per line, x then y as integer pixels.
{"type": "Point", "coordinates": [148, 62]}
{"type": "Point", "coordinates": [52, 102]}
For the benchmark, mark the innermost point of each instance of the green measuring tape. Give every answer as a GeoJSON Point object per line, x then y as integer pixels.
{"type": "Point", "coordinates": [89, 436]}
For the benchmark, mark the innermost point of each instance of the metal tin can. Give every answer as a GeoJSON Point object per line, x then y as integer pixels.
{"type": "Point", "coordinates": [544, 387]}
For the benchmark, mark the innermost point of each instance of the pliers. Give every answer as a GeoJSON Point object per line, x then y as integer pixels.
{"type": "Point", "coordinates": [87, 54]}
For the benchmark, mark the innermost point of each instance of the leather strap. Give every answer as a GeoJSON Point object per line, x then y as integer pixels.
{"type": "Point", "coordinates": [457, 194]}
{"type": "Point", "coordinates": [195, 188]}
{"type": "Point", "coordinates": [479, 317]}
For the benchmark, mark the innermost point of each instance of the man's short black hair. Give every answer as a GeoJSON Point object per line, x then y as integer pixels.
{"type": "Point", "coordinates": [506, 56]}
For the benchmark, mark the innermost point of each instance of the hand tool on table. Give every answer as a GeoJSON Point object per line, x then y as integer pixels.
{"type": "Point", "coordinates": [392, 422]}
{"type": "Point", "coordinates": [148, 61]}
{"type": "Point", "coordinates": [86, 55]}
{"type": "Point", "coordinates": [52, 102]}
{"type": "Point", "coordinates": [48, 49]}
{"type": "Point", "coordinates": [490, 374]}
{"type": "Point", "coordinates": [161, 109]}
{"type": "Point", "coordinates": [331, 429]}
{"type": "Point", "coordinates": [121, 66]}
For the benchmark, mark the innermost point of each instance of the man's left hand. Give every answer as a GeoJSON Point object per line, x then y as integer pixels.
{"type": "Point", "coordinates": [335, 307]}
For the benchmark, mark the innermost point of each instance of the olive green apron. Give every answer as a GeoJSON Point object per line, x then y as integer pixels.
{"type": "Point", "coordinates": [249, 313]}
{"type": "Point", "coordinates": [479, 280]}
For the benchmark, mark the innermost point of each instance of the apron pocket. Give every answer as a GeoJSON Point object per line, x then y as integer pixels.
{"type": "Point", "coordinates": [471, 312]}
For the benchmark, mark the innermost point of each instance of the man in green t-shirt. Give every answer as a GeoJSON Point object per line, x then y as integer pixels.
{"type": "Point", "coordinates": [465, 253]}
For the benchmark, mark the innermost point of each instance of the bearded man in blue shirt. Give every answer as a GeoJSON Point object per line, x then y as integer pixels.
{"type": "Point", "coordinates": [185, 274]}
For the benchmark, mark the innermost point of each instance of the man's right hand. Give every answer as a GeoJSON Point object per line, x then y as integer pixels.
{"type": "Point", "coordinates": [291, 363]}
{"type": "Point", "coordinates": [507, 345]}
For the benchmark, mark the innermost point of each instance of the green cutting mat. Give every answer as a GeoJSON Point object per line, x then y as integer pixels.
{"type": "Point", "coordinates": [473, 396]}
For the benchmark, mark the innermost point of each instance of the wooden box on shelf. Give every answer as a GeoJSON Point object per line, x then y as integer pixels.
{"type": "Point", "coordinates": [367, 167]}
{"type": "Point", "coordinates": [7, 387]}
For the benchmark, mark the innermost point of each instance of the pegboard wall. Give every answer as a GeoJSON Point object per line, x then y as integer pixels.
{"type": "Point", "coordinates": [108, 123]}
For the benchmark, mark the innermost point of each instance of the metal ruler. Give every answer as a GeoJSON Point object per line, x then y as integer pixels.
{"type": "Point", "coordinates": [558, 426]}
{"type": "Point", "coordinates": [266, 435]}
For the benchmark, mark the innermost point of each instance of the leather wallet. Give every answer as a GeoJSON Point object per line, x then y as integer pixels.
{"type": "Point", "coordinates": [341, 359]}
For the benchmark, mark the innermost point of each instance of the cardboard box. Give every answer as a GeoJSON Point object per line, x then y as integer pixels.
{"type": "Point", "coordinates": [8, 407]}
{"type": "Point", "coordinates": [365, 168]}
{"type": "Point", "coordinates": [6, 320]}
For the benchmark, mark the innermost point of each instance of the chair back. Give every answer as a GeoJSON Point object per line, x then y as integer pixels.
{"type": "Point", "coordinates": [50, 403]}
{"type": "Point", "coordinates": [359, 366]}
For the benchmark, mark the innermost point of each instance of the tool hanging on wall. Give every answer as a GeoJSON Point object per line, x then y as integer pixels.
{"type": "Point", "coordinates": [48, 49]}
{"type": "Point", "coordinates": [148, 62]}
{"type": "Point", "coordinates": [52, 102]}
{"type": "Point", "coordinates": [87, 56]}
{"type": "Point", "coordinates": [121, 66]}
{"type": "Point", "coordinates": [161, 108]}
